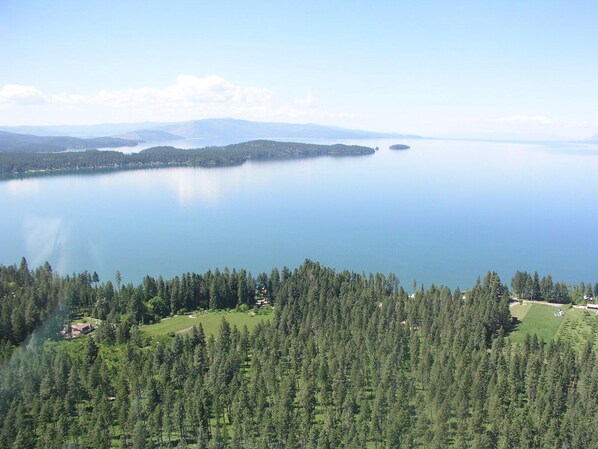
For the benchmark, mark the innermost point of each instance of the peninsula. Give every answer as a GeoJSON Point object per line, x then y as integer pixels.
{"type": "Point", "coordinates": [32, 164]}
{"type": "Point", "coordinates": [29, 143]}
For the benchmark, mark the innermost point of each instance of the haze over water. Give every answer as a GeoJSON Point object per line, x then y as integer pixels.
{"type": "Point", "coordinates": [442, 212]}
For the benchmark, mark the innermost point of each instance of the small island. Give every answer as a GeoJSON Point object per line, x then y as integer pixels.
{"type": "Point", "coordinates": [399, 147]}
{"type": "Point", "coordinates": [35, 164]}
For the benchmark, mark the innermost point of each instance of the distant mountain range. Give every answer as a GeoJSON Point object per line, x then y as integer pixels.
{"type": "Point", "coordinates": [149, 135]}
{"type": "Point", "coordinates": [207, 128]}
{"type": "Point", "coordinates": [28, 143]}
{"type": "Point", "coordinates": [214, 128]}
{"type": "Point", "coordinates": [218, 131]}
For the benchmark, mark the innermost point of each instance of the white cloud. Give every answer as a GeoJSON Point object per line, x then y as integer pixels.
{"type": "Point", "coordinates": [188, 90]}
{"type": "Point", "coordinates": [541, 119]}
{"type": "Point", "coordinates": [308, 100]}
{"type": "Point", "coordinates": [65, 98]}
{"type": "Point", "coordinates": [189, 97]}
{"type": "Point", "coordinates": [214, 89]}
{"type": "Point", "coordinates": [19, 94]}
{"type": "Point", "coordinates": [531, 126]}
{"type": "Point", "coordinates": [513, 119]}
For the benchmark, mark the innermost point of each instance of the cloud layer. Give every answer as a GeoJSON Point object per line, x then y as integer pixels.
{"type": "Point", "coordinates": [188, 89]}
{"type": "Point", "coordinates": [188, 97]}
{"type": "Point", "coordinates": [19, 94]}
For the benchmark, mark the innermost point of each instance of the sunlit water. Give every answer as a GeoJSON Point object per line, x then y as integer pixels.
{"type": "Point", "coordinates": [443, 212]}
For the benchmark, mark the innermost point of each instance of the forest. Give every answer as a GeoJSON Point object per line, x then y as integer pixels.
{"type": "Point", "coordinates": [347, 361]}
{"type": "Point", "coordinates": [28, 143]}
{"type": "Point", "coordinates": [22, 164]}
{"type": "Point", "coordinates": [532, 287]}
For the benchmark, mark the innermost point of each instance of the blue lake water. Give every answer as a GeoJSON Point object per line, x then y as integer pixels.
{"type": "Point", "coordinates": [443, 212]}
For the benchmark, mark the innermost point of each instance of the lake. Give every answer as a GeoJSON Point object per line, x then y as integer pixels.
{"type": "Point", "coordinates": [442, 211]}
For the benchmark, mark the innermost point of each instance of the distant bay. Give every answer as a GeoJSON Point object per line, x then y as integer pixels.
{"type": "Point", "coordinates": [443, 212]}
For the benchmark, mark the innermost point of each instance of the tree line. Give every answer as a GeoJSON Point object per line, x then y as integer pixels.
{"type": "Point", "coordinates": [526, 286]}
{"type": "Point", "coordinates": [19, 164]}
{"type": "Point", "coordinates": [347, 361]}
{"type": "Point", "coordinates": [29, 143]}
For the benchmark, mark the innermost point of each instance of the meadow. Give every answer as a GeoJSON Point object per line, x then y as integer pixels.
{"type": "Point", "coordinates": [210, 320]}
{"type": "Point", "coordinates": [576, 325]}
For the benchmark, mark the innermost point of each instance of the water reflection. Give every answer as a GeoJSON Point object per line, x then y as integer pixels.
{"type": "Point", "coordinates": [47, 238]}
{"type": "Point", "coordinates": [23, 187]}
{"type": "Point", "coordinates": [205, 186]}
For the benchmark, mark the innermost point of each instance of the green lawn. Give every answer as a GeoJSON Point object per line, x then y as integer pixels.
{"type": "Point", "coordinates": [540, 320]}
{"type": "Point", "coordinates": [86, 319]}
{"type": "Point", "coordinates": [520, 310]}
{"type": "Point", "coordinates": [579, 327]}
{"type": "Point", "coordinates": [209, 320]}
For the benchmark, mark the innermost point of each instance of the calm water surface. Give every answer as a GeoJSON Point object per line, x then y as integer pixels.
{"type": "Point", "coordinates": [443, 212]}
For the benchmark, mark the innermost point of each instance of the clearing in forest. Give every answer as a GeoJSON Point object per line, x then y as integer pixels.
{"type": "Point", "coordinates": [210, 320]}
{"type": "Point", "coordinates": [538, 319]}
{"type": "Point", "coordinates": [580, 326]}
{"type": "Point", "coordinates": [520, 310]}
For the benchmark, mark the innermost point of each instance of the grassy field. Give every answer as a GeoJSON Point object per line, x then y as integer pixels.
{"type": "Point", "coordinates": [579, 327]}
{"type": "Point", "coordinates": [520, 310]}
{"type": "Point", "coordinates": [537, 319]}
{"type": "Point", "coordinates": [209, 320]}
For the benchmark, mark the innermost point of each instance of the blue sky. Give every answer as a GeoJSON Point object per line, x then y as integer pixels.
{"type": "Point", "coordinates": [435, 68]}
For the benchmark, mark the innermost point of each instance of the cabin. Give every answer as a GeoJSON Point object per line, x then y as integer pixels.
{"type": "Point", "coordinates": [74, 330]}
{"type": "Point", "coordinates": [261, 302]}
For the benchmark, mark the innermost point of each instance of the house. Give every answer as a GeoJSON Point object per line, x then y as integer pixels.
{"type": "Point", "coordinates": [83, 328]}
{"type": "Point", "coordinates": [74, 330]}
{"type": "Point", "coordinates": [261, 302]}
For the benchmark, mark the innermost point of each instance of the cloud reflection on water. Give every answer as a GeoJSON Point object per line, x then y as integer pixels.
{"type": "Point", "coordinates": [23, 187]}
{"type": "Point", "coordinates": [47, 239]}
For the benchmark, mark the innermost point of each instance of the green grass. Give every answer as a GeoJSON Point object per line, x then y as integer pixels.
{"type": "Point", "coordinates": [520, 310]}
{"type": "Point", "coordinates": [579, 327]}
{"type": "Point", "coordinates": [209, 320]}
{"type": "Point", "coordinates": [539, 320]}
{"type": "Point", "coordinates": [86, 319]}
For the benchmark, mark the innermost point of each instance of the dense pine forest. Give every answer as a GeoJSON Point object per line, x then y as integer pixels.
{"type": "Point", "coordinates": [347, 361]}
{"type": "Point", "coordinates": [19, 163]}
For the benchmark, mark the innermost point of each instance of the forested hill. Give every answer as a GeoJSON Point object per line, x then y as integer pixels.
{"type": "Point", "coordinates": [28, 143]}
{"type": "Point", "coordinates": [19, 164]}
{"type": "Point", "coordinates": [348, 361]}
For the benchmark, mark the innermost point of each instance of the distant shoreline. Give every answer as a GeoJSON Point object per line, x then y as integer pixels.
{"type": "Point", "coordinates": [20, 165]}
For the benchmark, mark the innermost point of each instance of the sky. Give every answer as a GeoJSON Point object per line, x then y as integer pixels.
{"type": "Point", "coordinates": [468, 69]}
